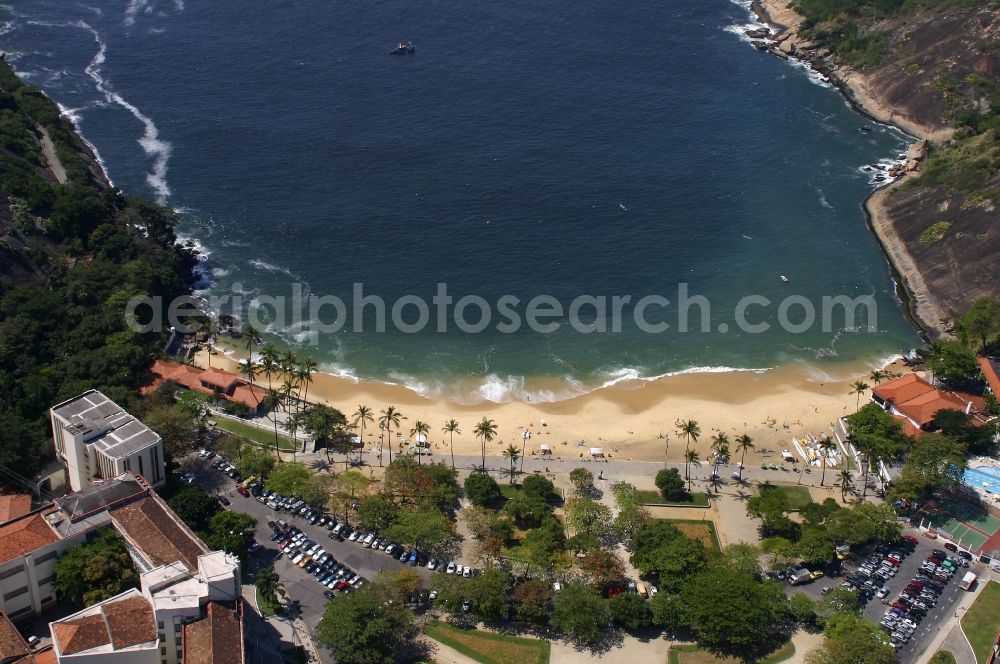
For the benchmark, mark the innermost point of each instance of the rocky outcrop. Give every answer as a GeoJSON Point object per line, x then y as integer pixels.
{"type": "Point", "coordinates": [912, 88]}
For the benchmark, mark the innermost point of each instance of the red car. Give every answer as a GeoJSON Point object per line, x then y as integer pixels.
{"type": "Point", "coordinates": [340, 585]}
{"type": "Point", "coordinates": [243, 491]}
{"type": "Point", "coordinates": [910, 538]}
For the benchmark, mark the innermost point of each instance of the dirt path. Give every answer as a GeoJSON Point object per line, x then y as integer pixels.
{"type": "Point", "coordinates": [49, 150]}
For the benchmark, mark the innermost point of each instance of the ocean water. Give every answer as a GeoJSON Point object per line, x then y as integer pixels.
{"type": "Point", "coordinates": [559, 148]}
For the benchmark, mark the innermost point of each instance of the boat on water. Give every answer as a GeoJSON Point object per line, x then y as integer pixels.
{"type": "Point", "coordinates": [402, 47]}
{"type": "Point", "coordinates": [783, 278]}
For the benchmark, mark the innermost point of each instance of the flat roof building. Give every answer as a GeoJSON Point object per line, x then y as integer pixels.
{"type": "Point", "coordinates": [97, 439]}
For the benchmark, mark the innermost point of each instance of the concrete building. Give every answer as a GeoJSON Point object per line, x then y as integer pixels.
{"type": "Point", "coordinates": [97, 439]}
{"type": "Point", "coordinates": [29, 549]}
{"type": "Point", "coordinates": [182, 583]}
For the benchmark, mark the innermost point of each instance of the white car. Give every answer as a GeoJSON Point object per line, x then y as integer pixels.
{"type": "Point", "coordinates": [459, 569]}
{"type": "Point", "coordinates": [355, 535]}
{"type": "Point", "coordinates": [390, 549]}
{"type": "Point", "coordinates": [556, 586]}
{"type": "Point", "coordinates": [368, 540]}
{"type": "Point", "coordinates": [432, 564]}
{"type": "Point", "coordinates": [467, 572]}
{"type": "Point", "coordinates": [882, 592]}
{"type": "Point", "coordinates": [450, 569]}
{"type": "Point", "coordinates": [298, 558]}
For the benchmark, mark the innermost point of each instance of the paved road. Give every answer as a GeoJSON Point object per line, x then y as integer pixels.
{"type": "Point", "coordinates": [301, 586]}
{"type": "Point", "coordinates": [939, 613]}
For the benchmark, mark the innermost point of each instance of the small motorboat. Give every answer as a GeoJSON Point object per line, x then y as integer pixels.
{"type": "Point", "coordinates": [865, 129]}
{"type": "Point", "coordinates": [783, 278]}
{"type": "Point", "coordinates": [402, 47]}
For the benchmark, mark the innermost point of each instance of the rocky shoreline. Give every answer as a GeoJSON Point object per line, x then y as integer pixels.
{"type": "Point", "coordinates": [780, 38]}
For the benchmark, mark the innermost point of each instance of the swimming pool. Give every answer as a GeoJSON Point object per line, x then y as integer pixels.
{"type": "Point", "coordinates": [983, 477]}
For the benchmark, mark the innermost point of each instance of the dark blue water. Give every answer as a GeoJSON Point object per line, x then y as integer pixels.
{"type": "Point", "coordinates": [526, 148]}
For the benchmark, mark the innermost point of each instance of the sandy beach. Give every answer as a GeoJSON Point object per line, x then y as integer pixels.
{"type": "Point", "coordinates": [630, 421]}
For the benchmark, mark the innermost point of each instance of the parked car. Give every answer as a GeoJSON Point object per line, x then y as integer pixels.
{"type": "Point", "coordinates": [450, 569]}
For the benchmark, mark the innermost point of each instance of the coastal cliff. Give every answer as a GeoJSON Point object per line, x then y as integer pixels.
{"type": "Point", "coordinates": [933, 72]}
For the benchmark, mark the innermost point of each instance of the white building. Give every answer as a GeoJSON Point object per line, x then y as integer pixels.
{"type": "Point", "coordinates": [96, 439]}
{"type": "Point", "coordinates": [29, 549]}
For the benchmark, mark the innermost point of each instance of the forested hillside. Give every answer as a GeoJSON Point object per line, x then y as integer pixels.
{"type": "Point", "coordinates": [71, 256]}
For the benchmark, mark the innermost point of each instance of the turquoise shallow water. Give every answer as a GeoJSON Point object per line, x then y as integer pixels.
{"type": "Point", "coordinates": [525, 149]}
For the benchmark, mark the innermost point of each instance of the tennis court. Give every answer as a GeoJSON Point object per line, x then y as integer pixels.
{"type": "Point", "coordinates": [966, 523]}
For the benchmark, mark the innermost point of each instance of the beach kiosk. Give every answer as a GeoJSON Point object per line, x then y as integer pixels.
{"type": "Point", "coordinates": [787, 456]}
{"type": "Point", "coordinates": [596, 452]}
{"type": "Point", "coordinates": [544, 449]}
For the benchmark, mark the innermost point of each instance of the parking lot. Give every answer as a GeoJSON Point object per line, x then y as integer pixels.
{"type": "Point", "coordinates": [302, 588]}
{"type": "Point", "coordinates": [928, 626]}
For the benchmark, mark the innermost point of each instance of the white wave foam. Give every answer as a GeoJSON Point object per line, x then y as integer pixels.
{"type": "Point", "coordinates": [133, 8]}
{"type": "Point", "coordinates": [73, 114]}
{"type": "Point", "coordinates": [270, 267]}
{"type": "Point", "coordinates": [627, 374]}
{"type": "Point", "coordinates": [150, 141]}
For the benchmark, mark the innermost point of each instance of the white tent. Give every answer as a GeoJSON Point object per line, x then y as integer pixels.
{"type": "Point", "coordinates": [545, 449]}
{"type": "Point", "coordinates": [421, 438]}
{"type": "Point", "coordinates": [596, 451]}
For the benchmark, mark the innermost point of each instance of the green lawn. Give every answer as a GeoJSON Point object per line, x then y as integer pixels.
{"type": "Point", "coordinates": [648, 497]}
{"type": "Point", "coordinates": [798, 496]}
{"type": "Point", "coordinates": [943, 657]}
{"type": "Point", "coordinates": [256, 434]}
{"type": "Point", "coordinates": [982, 621]}
{"type": "Point", "coordinates": [266, 608]}
{"type": "Point", "coordinates": [695, 655]}
{"type": "Point", "coordinates": [487, 647]}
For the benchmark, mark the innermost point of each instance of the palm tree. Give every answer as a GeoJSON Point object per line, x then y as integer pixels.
{"type": "Point", "coordinates": [362, 416]}
{"type": "Point", "coordinates": [272, 401]}
{"type": "Point", "coordinates": [419, 429]}
{"type": "Point", "coordinates": [846, 482]}
{"type": "Point", "coordinates": [720, 445]}
{"type": "Point", "coordinates": [390, 418]}
{"type": "Point", "coordinates": [691, 457]}
{"type": "Point", "coordinates": [485, 431]}
{"type": "Point", "coordinates": [289, 390]}
{"type": "Point", "coordinates": [253, 338]}
{"type": "Point", "coordinates": [251, 370]}
{"type": "Point", "coordinates": [269, 363]}
{"type": "Point", "coordinates": [858, 387]}
{"type": "Point", "coordinates": [304, 374]}
{"type": "Point", "coordinates": [268, 585]}
{"type": "Point", "coordinates": [293, 423]}
{"type": "Point", "coordinates": [451, 428]}
{"type": "Point", "coordinates": [690, 430]}
{"type": "Point", "coordinates": [878, 376]}
{"type": "Point", "coordinates": [824, 445]}
{"type": "Point", "coordinates": [513, 454]}
{"type": "Point", "coordinates": [743, 443]}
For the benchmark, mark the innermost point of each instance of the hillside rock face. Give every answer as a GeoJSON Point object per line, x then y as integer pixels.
{"type": "Point", "coordinates": [921, 84]}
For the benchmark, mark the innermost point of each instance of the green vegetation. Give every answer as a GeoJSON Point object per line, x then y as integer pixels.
{"type": "Point", "coordinates": [797, 496]}
{"type": "Point", "coordinates": [935, 232]}
{"type": "Point", "coordinates": [943, 657]}
{"type": "Point", "coordinates": [488, 647]}
{"type": "Point", "coordinates": [694, 499]}
{"type": "Point", "coordinates": [296, 479]}
{"type": "Point", "coordinates": [981, 621]}
{"type": "Point", "coordinates": [695, 655]}
{"type": "Point", "coordinates": [366, 628]}
{"type": "Point", "coordinates": [256, 434]}
{"type": "Point", "coordinates": [95, 571]}
{"type": "Point", "coordinates": [268, 589]}
{"type": "Point", "coordinates": [71, 257]}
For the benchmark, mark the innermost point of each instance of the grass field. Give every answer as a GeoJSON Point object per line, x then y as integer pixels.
{"type": "Point", "coordinates": [699, 530]}
{"type": "Point", "coordinates": [266, 608]}
{"type": "Point", "coordinates": [487, 647]}
{"type": "Point", "coordinates": [943, 657]}
{"type": "Point", "coordinates": [798, 496]}
{"type": "Point", "coordinates": [698, 499]}
{"type": "Point", "coordinates": [982, 621]}
{"type": "Point", "coordinates": [256, 434]}
{"type": "Point", "coordinates": [695, 655]}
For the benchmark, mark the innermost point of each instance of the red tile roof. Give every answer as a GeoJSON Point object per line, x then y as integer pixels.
{"type": "Point", "coordinates": [918, 400]}
{"type": "Point", "coordinates": [14, 505]}
{"type": "Point", "coordinates": [215, 639]}
{"type": "Point", "coordinates": [991, 371]}
{"type": "Point", "coordinates": [231, 385]}
{"type": "Point", "coordinates": [13, 647]}
{"type": "Point", "coordinates": [24, 535]}
{"type": "Point", "coordinates": [120, 623]}
{"type": "Point", "coordinates": [157, 532]}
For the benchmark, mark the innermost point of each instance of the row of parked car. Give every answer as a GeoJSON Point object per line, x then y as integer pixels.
{"type": "Point", "coordinates": [919, 596]}
{"type": "Point", "coordinates": [311, 557]}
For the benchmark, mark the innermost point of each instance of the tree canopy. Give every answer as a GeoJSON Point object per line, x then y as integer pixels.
{"type": "Point", "coordinates": [95, 571]}
{"type": "Point", "coordinates": [362, 628]}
